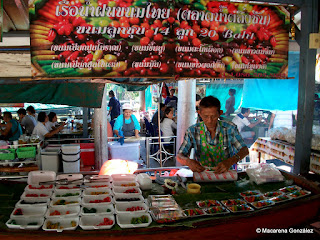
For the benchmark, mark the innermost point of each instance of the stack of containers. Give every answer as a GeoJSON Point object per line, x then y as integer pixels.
{"type": "Point", "coordinates": [30, 211]}
{"type": "Point", "coordinates": [130, 208]}
{"type": "Point", "coordinates": [71, 158]}
{"type": "Point", "coordinates": [97, 210]}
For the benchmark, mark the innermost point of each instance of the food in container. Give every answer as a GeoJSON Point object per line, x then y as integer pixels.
{"type": "Point", "coordinates": [216, 210]}
{"type": "Point", "coordinates": [127, 190]}
{"type": "Point", "coordinates": [125, 198]}
{"type": "Point", "coordinates": [299, 193]}
{"type": "Point", "coordinates": [125, 184]}
{"type": "Point", "coordinates": [33, 202]}
{"type": "Point", "coordinates": [99, 199]}
{"type": "Point", "coordinates": [97, 191]}
{"type": "Point", "coordinates": [127, 207]}
{"type": "Point", "coordinates": [98, 185]}
{"type": "Point", "coordinates": [250, 193]}
{"type": "Point", "coordinates": [97, 209]}
{"type": "Point", "coordinates": [39, 187]}
{"type": "Point", "coordinates": [272, 194]}
{"type": "Point", "coordinates": [194, 212]}
{"type": "Point", "coordinates": [63, 211]}
{"type": "Point", "coordinates": [60, 224]}
{"type": "Point", "coordinates": [36, 195]}
{"type": "Point", "coordinates": [105, 221]}
{"type": "Point", "coordinates": [262, 204]}
{"type": "Point", "coordinates": [64, 193]}
{"type": "Point", "coordinates": [65, 201]}
{"type": "Point", "coordinates": [290, 189]}
{"type": "Point", "coordinates": [69, 186]}
{"type": "Point", "coordinates": [29, 211]}
{"type": "Point", "coordinates": [25, 223]}
{"type": "Point", "coordinates": [231, 202]}
{"type": "Point", "coordinates": [254, 198]}
{"type": "Point", "coordinates": [208, 203]}
{"type": "Point", "coordinates": [167, 215]}
{"type": "Point", "coordinates": [240, 208]}
{"type": "Point", "coordinates": [134, 220]}
{"type": "Point", "coordinates": [281, 198]}
{"type": "Point", "coordinates": [162, 201]}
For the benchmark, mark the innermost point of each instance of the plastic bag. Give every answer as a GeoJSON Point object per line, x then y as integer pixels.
{"type": "Point", "coordinates": [264, 173]}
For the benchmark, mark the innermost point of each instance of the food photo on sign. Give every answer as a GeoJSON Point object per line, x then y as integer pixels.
{"type": "Point", "coordinates": [85, 38]}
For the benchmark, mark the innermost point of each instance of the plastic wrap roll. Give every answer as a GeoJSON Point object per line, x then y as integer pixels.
{"type": "Point", "coordinates": [210, 176]}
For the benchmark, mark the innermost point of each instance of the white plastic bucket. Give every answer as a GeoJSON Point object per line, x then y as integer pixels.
{"type": "Point", "coordinates": [71, 166]}
{"type": "Point", "coordinates": [70, 148]}
{"type": "Point", "coordinates": [50, 160]}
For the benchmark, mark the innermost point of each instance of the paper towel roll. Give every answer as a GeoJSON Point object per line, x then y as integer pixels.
{"type": "Point", "coordinates": [210, 176]}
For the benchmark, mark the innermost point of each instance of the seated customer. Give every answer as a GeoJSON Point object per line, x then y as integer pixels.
{"type": "Point", "coordinates": [12, 129]}
{"type": "Point", "coordinates": [41, 130]}
{"type": "Point", "coordinates": [26, 121]}
{"type": "Point", "coordinates": [241, 120]}
{"type": "Point", "coordinates": [155, 115]}
{"type": "Point", "coordinates": [32, 113]}
{"type": "Point", "coordinates": [51, 124]}
{"type": "Point", "coordinates": [127, 123]}
{"type": "Point", "coordinates": [167, 124]}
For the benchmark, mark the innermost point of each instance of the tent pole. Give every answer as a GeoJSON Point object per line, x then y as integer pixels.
{"type": "Point", "coordinates": [159, 130]}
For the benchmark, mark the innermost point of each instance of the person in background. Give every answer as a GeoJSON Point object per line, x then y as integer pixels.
{"type": "Point", "coordinates": [171, 100]}
{"type": "Point", "coordinates": [168, 125]}
{"type": "Point", "coordinates": [52, 123]}
{"type": "Point", "coordinates": [154, 119]}
{"type": "Point", "coordinates": [1, 118]}
{"type": "Point", "coordinates": [127, 123]}
{"type": "Point", "coordinates": [230, 102]}
{"type": "Point", "coordinates": [26, 121]}
{"type": "Point", "coordinates": [41, 130]}
{"type": "Point", "coordinates": [241, 120]}
{"type": "Point", "coordinates": [217, 143]}
{"type": "Point", "coordinates": [12, 130]}
{"type": "Point", "coordinates": [198, 99]}
{"type": "Point", "coordinates": [32, 113]}
{"type": "Point", "coordinates": [114, 106]}
{"type": "Point", "coordinates": [282, 119]}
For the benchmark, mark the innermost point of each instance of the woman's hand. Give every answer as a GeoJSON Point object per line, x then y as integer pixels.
{"type": "Point", "coordinates": [195, 166]}
{"type": "Point", "coordinates": [137, 135]}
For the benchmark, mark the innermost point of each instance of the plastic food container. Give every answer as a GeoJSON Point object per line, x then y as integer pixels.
{"type": "Point", "coordinates": [97, 191]}
{"type": "Point", "coordinates": [119, 198]}
{"type": "Point", "coordinates": [249, 193]}
{"type": "Point", "coordinates": [290, 189]}
{"type": "Point", "coordinates": [280, 199]}
{"type": "Point", "coordinates": [70, 201]}
{"type": "Point", "coordinates": [35, 177]}
{"type": "Point", "coordinates": [162, 201]}
{"type": "Point", "coordinates": [194, 212]}
{"type": "Point", "coordinates": [32, 203]}
{"type": "Point", "coordinates": [69, 186]}
{"type": "Point", "coordinates": [26, 223]}
{"type": "Point", "coordinates": [61, 224]}
{"type": "Point", "coordinates": [98, 178]}
{"type": "Point", "coordinates": [123, 177]}
{"type": "Point", "coordinates": [39, 187]}
{"type": "Point", "coordinates": [74, 178]}
{"type": "Point", "coordinates": [299, 193]}
{"type": "Point", "coordinates": [65, 193]}
{"type": "Point", "coordinates": [216, 210]}
{"type": "Point", "coordinates": [241, 208]}
{"type": "Point", "coordinates": [63, 211]}
{"type": "Point", "coordinates": [125, 184]}
{"type": "Point", "coordinates": [98, 185]}
{"type": "Point", "coordinates": [125, 220]}
{"type": "Point", "coordinates": [96, 209]}
{"type": "Point", "coordinates": [127, 190]}
{"type": "Point", "coordinates": [96, 222]}
{"type": "Point", "coordinates": [166, 215]}
{"type": "Point", "coordinates": [272, 194]}
{"type": "Point", "coordinates": [121, 207]}
{"type": "Point", "coordinates": [36, 195]}
{"type": "Point", "coordinates": [100, 200]}
{"type": "Point", "coordinates": [254, 198]}
{"type": "Point", "coordinates": [27, 211]}
{"type": "Point", "coordinates": [262, 204]}
{"type": "Point", "coordinates": [144, 181]}
{"type": "Point", "coordinates": [231, 202]}
{"type": "Point", "coordinates": [208, 203]}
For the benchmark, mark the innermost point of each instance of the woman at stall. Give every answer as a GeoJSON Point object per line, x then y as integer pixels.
{"type": "Point", "coordinates": [167, 124]}
{"type": "Point", "coordinates": [52, 123]}
{"type": "Point", "coordinates": [12, 129]}
{"type": "Point", "coordinates": [230, 102]}
{"type": "Point", "coordinates": [127, 123]}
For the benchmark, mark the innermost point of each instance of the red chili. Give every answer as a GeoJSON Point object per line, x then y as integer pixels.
{"type": "Point", "coordinates": [257, 59]}
{"type": "Point", "coordinates": [262, 56]}
{"type": "Point", "coordinates": [52, 35]}
{"type": "Point", "coordinates": [73, 56]}
{"type": "Point", "coordinates": [88, 58]}
{"type": "Point", "coordinates": [273, 41]}
{"type": "Point", "coordinates": [244, 60]}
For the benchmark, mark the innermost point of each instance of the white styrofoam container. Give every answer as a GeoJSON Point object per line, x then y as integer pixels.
{"type": "Point", "coordinates": [126, 196]}
{"type": "Point", "coordinates": [59, 192]}
{"type": "Point", "coordinates": [124, 220]}
{"type": "Point", "coordinates": [101, 209]}
{"type": "Point", "coordinates": [39, 187]}
{"type": "Point", "coordinates": [98, 178]}
{"type": "Point", "coordinates": [34, 177]}
{"type": "Point", "coordinates": [86, 200]}
{"type": "Point", "coordinates": [91, 222]}
{"type": "Point", "coordinates": [65, 187]}
{"type": "Point", "coordinates": [127, 151]}
{"type": "Point", "coordinates": [27, 211]}
{"type": "Point", "coordinates": [76, 178]}
{"type": "Point", "coordinates": [123, 177]}
{"type": "Point", "coordinates": [22, 223]}
{"type": "Point", "coordinates": [65, 223]}
{"type": "Point", "coordinates": [121, 207]}
{"type": "Point", "coordinates": [120, 191]}
{"type": "Point", "coordinates": [74, 211]}
{"type": "Point", "coordinates": [90, 191]}
{"type": "Point", "coordinates": [48, 194]}
{"type": "Point", "coordinates": [77, 201]}
{"type": "Point", "coordinates": [98, 185]}
{"type": "Point", "coordinates": [70, 148]}
{"type": "Point", "coordinates": [144, 181]}
{"type": "Point", "coordinates": [125, 184]}
{"type": "Point", "coordinates": [32, 203]}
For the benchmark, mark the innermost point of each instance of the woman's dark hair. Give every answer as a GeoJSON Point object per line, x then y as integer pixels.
{"type": "Point", "coordinates": [233, 91]}
{"type": "Point", "coordinates": [42, 116]}
{"type": "Point", "coordinates": [8, 114]}
{"type": "Point", "coordinates": [166, 111]}
{"type": "Point", "coordinates": [51, 115]}
{"type": "Point", "coordinates": [244, 110]}
{"type": "Point", "coordinates": [111, 93]}
{"type": "Point", "coordinates": [198, 97]}
{"type": "Point", "coordinates": [22, 111]}
{"type": "Point", "coordinates": [210, 101]}
{"type": "Point", "coordinates": [31, 109]}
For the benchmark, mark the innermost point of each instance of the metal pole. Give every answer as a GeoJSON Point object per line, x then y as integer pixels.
{"type": "Point", "coordinates": [142, 101]}
{"type": "Point", "coordinates": [186, 109]}
{"type": "Point", "coordinates": [309, 24]}
{"type": "Point", "coordinates": [85, 122]}
{"type": "Point", "coordinates": [159, 130]}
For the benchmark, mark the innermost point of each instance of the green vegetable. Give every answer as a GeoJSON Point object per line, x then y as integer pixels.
{"type": "Point", "coordinates": [199, 6]}
{"type": "Point", "coordinates": [47, 62]}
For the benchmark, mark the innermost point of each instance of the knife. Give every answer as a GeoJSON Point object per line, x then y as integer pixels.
{"type": "Point", "coordinates": [181, 182]}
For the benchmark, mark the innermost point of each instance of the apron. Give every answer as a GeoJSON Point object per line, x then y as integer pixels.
{"type": "Point", "coordinates": [128, 129]}
{"type": "Point", "coordinates": [210, 155]}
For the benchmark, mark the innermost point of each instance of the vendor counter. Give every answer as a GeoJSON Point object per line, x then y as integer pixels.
{"type": "Point", "coordinates": [265, 148]}
{"type": "Point", "coordinates": [229, 226]}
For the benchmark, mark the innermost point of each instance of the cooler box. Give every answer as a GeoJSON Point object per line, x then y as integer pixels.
{"type": "Point", "coordinates": [87, 154]}
{"type": "Point", "coordinates": [127, 151]}
{"type": "Point", "coordinates": [70, 158]}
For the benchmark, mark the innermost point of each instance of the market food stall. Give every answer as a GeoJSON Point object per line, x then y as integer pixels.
{"type": "Point", "coordinates": [209, 214]}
